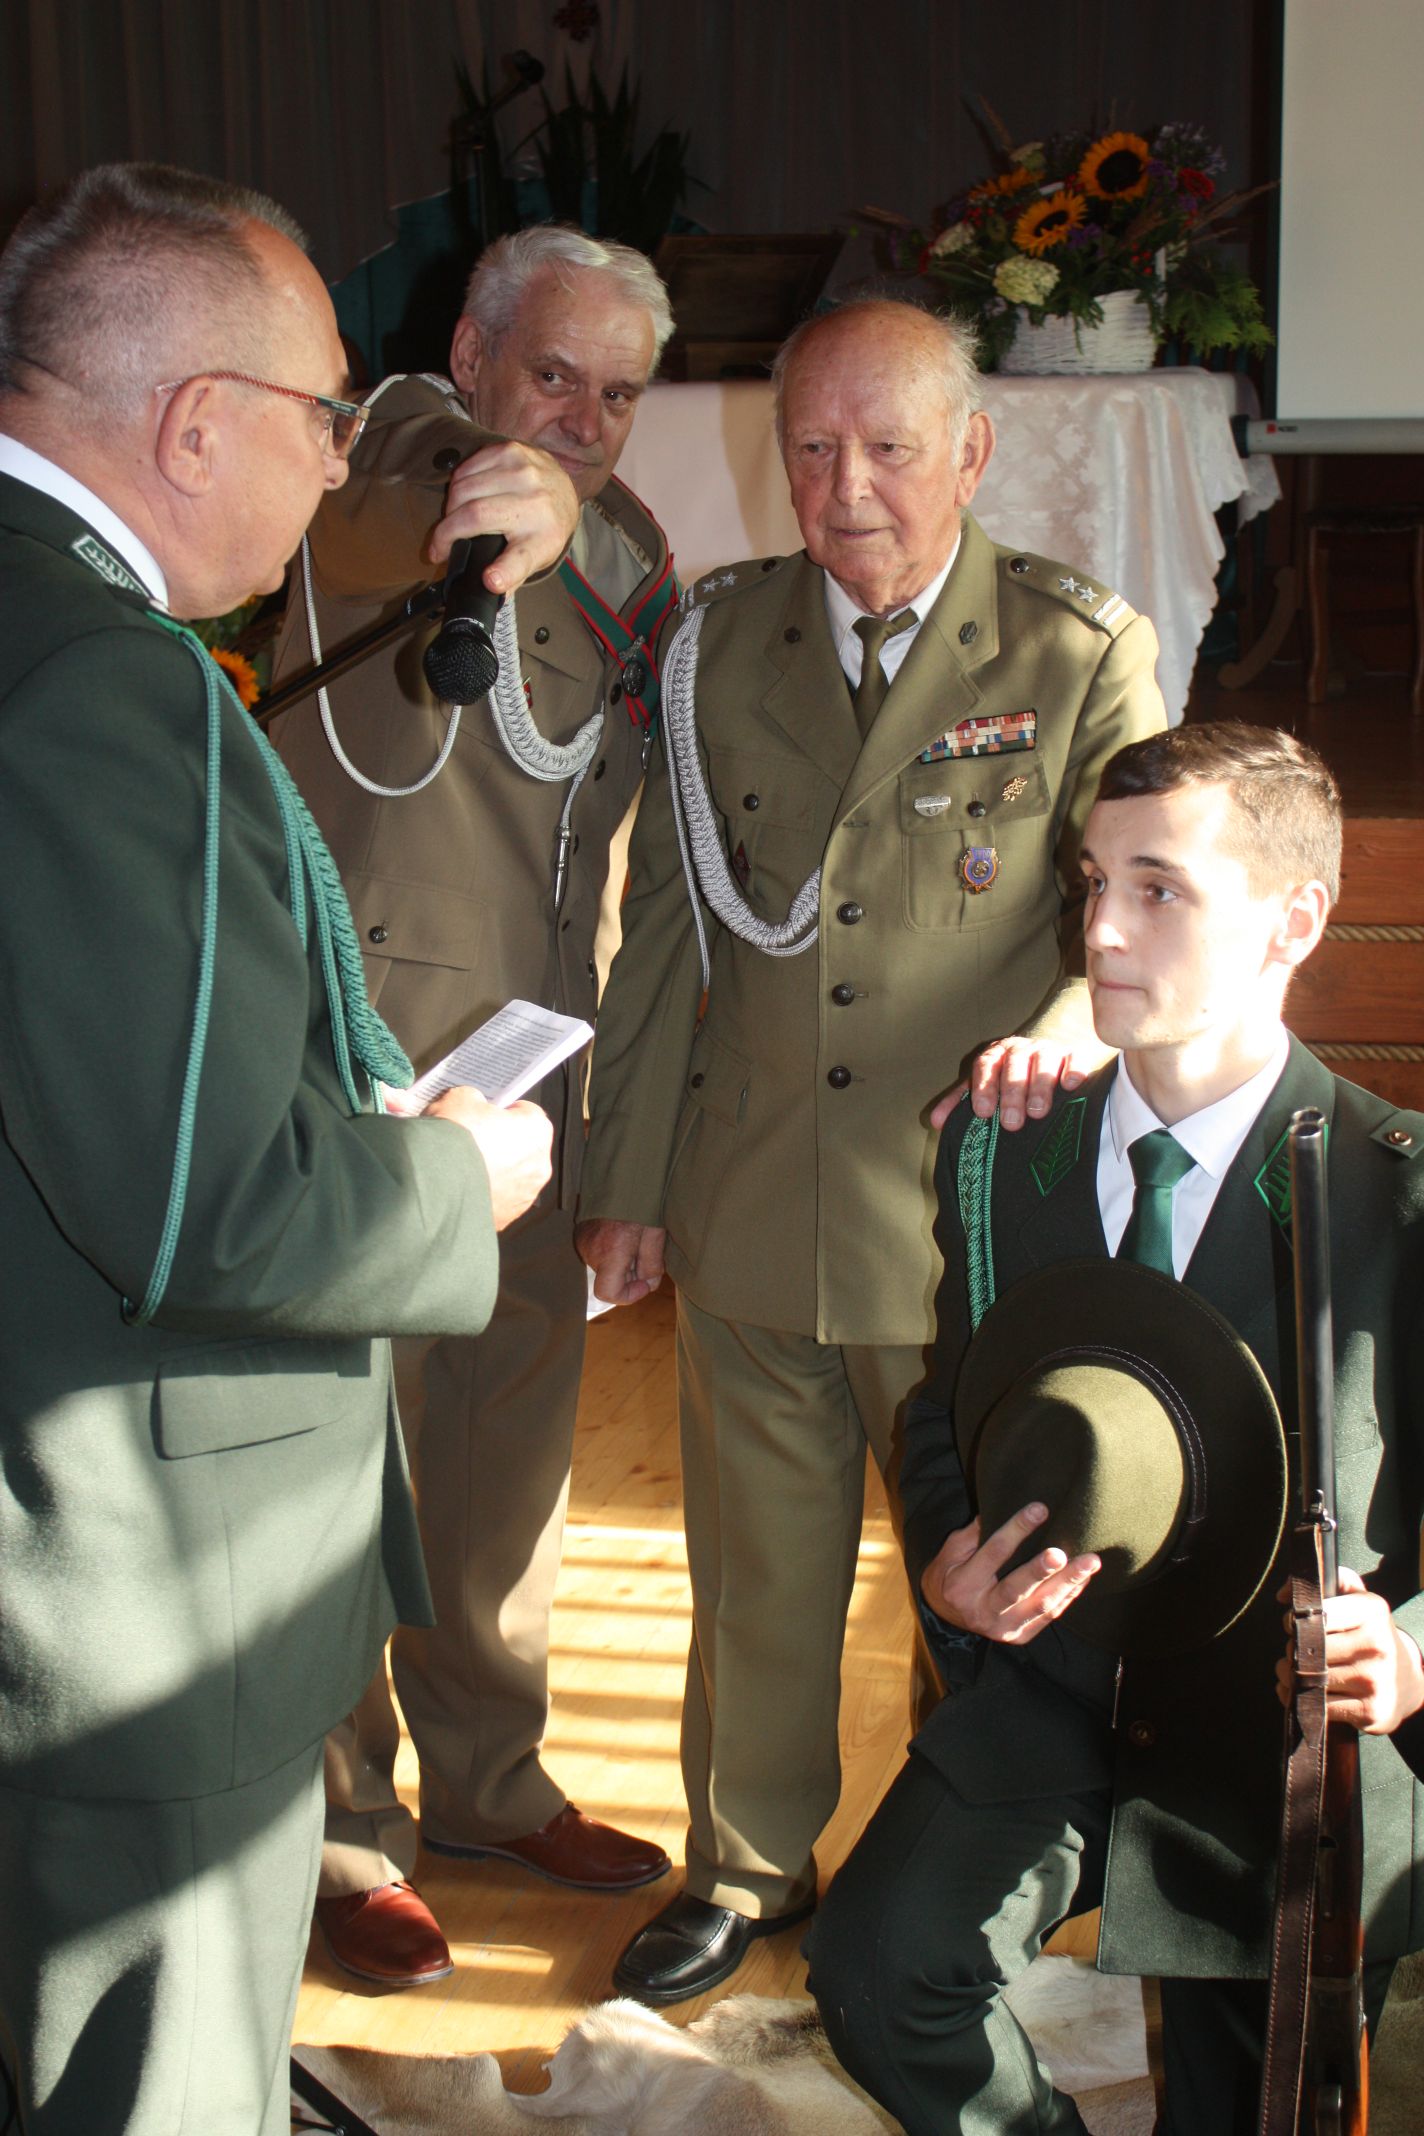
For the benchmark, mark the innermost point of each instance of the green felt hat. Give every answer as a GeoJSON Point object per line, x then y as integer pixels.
{"type": "Point", "coordinates": [1135, 1413]}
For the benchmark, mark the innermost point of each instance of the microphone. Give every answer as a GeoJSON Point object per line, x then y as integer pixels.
{"type": "Point", "coordinates": [461, 664]}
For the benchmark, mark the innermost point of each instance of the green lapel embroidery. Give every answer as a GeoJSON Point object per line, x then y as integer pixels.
{"type": "Point", "coordinates": [975, 1184]}
{"type": "Point", "coordinates": [1273, 1182]}
{"type": "Point", "coordinates": [1057, 1154]}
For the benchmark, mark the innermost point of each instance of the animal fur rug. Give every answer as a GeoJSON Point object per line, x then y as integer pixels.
{"type": "Point", "coordinates": [749, 2067]}
{"type": "Point", "coordinates": [755, 2067]}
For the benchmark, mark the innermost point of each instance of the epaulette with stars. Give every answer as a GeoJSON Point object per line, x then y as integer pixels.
{"type": "Point", "coordinates": [1086, 597]}
{"type": "Point", "coordinates": [714, 585]}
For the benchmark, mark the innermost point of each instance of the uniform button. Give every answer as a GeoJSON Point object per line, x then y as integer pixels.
{"type": "Point", "coordinates": [635, 678]}
{"type": "Point", "coordinates": [600, 767]}
{"type": "Point", "coordinates": [541, 635]}
{"type": "Point", "coordinates": [850, 912]}
{"type": "Point", "coordinates": [843, 995]}
{"type": "Point", "coordinates": [838, 1078]}
{"type": "Point", "coordinates": [697, 1080]}
{"type": "Point", "coordinates": [446, 460]}
{"type": "Point", "coordinates": [770, 564]}
{"type": "Point", "coordinates": [975, 809]}
{"type": "Point", "coordinates": [968, 632]}
{"type": "Point", "coordinates": [378, 934]}
{"type": "Point", "coordinates": [592, 969]}
{"type": "Point", "coordinates": [793, 636]}
{"type": "Point", "coordinates": [751, 800]}
{"type": "Point", "coordinates": [1400, 1137]}
{"type": "Point", "coordinates": [1142, 1735]}
{"type": "Point", "coordinates": [615, 693]}
{"type": "Point", "coordinates": [1018, 565]}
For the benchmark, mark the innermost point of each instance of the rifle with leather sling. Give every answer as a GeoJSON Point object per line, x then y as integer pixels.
{"type": "Point", "coordinates": [1315, 2080]}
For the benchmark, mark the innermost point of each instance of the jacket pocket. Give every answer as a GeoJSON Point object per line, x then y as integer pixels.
{"type": "Point", "coordinates": [717, 1084]}
{"type": "Point", "coordinates": [422, 923]}
{"type": "Point", "coordinates": [945, 844]}
{"type": "Point", "coordinates": [229, 1395]}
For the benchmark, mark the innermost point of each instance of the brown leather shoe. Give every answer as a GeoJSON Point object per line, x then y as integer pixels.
{"type": "Point", "coordinates": [572, 1849]}
{"type": "Point", "coordinates": [388, 1936]}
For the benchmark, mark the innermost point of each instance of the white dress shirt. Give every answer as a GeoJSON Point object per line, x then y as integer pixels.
{"type": "Point", "coordinates": [1212, 1137]}
{"type": "Point", "coordinates": [843, 615]}
{"type": "Point", "coordinates": [33, 468]}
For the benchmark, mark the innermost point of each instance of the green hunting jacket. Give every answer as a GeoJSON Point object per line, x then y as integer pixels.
{"type": "Point", "coordinates": [206, 1530]}
{"type": "Point", "coordinates": [1194, 1756]}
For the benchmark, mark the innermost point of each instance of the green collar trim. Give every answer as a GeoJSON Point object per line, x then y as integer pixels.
{"type": "Point", "coordinates": [1059, 1150]}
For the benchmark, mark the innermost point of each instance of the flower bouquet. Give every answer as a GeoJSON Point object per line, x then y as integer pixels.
{"type": "Point", "coordinates": [1071, 221]}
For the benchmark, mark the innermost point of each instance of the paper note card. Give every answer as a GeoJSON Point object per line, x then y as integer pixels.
{"type": "Point", "coordinates": [508, 1055]}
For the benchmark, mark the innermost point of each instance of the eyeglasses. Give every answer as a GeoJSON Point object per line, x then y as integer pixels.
{"type": "Point", "coordinates": [344, 420]}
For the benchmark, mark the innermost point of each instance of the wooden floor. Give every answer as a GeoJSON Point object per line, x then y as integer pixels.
{"type": "Point", "coordinates": [530, 1958]}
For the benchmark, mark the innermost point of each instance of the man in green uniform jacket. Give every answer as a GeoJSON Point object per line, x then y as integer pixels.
{"type": "Point", "coordinates": [923, 809]}
{"type": "Point", "coordinates": [205, 1524]}
{"type": "Point", "coordinates": [1053, 1778]}
{"type": "Point", "coordinates": [482, 884]}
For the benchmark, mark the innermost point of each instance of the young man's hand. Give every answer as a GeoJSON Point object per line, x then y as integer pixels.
{"type": "Point", "coordinates": [963, 1584]}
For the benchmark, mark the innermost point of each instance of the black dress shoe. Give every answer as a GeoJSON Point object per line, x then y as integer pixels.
{"type": "Point", "coordinates": [692, 1945]}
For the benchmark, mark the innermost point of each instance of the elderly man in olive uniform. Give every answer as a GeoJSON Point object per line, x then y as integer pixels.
{"type": "Point", "coordinates": [921, 718]}
{"type": "Point", "coordinates": [205, 1526]}
{"type": "Point", "coordinates": [470, 887]}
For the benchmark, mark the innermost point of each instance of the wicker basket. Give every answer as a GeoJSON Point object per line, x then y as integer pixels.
{"type": "Point", "coordinates": [1124, 341]}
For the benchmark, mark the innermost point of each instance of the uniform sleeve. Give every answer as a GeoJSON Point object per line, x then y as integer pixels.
{"type": "Point", "coordinates": [299, 1218]}
{"type": "Point", "coordinates": [369, 538]}
{"type": "Point", "coordinates": [1123, 704]}
{"type": "Point", "coordinates": [646, 1023]}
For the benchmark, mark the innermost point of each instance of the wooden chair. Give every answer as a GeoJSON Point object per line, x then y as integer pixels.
{"type": "Point", "coordinates": [1321, 527]}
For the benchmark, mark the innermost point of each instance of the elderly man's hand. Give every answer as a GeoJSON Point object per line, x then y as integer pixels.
{"type": "Point", "coordinates": [1020, 1075]}
{"type": "Point", "coordinates": [963, 1585]}
{"type": "Point", "coordinates": [515, 1141]}
{"type": "Point", "coordinates": [519, 492]}
{"type": "Point", "coordinates": [1375, 1672]}
{"type": "Point", "coordinates": [626, 1259]}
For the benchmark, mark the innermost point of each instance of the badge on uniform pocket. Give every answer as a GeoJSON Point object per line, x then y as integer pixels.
{"type": "Point", "coordinates": [978, 866]}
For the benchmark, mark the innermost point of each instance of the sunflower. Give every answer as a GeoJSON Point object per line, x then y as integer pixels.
{"type": "Point", "coordinates": [242, 674]}
{"type": "Point", "coordinates": [1115, 168]}
{"type": "Point", "coordinates": [1047, 222]}
{"type": "Point", "coordinates": [1005, 183]}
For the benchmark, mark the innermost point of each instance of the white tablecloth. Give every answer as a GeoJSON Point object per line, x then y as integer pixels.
{"type": "Point", "coordinates": [1119, 477]}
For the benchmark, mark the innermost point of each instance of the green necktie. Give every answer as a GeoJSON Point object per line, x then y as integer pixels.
{"type": "Point", "coordinates": [1158, 1161]}
{"type": "Point", "coordinates": [872, 632]}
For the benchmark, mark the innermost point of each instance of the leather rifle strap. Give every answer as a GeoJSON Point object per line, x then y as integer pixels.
{"type": "Point", "coordinates": [1302, 1801]}
{"type": "Point", "coordinates": [338, 2118]}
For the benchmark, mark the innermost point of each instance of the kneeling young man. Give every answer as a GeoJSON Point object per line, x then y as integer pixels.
{"type": "Point", "coordinates": [1060, 1774]}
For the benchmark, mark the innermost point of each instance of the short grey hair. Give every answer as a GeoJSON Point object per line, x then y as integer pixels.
{"type": "Point", "coordinates": [128, 271]}
{"type": "Point", "coordinates": [952, 354]}
{"type": "Point", "coordinates": [505, 269]}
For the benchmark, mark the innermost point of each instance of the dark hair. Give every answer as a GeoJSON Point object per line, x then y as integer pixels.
{"type": "Point", "coordinates": [1286, 798]}
{"type": "Point", "coordinates": [106, 275]}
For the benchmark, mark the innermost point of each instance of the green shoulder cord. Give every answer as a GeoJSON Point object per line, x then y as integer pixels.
{"type": "Point", "coordinates": [975, 1185]}
{"type": "Point", "coordinates": [356, 1029]}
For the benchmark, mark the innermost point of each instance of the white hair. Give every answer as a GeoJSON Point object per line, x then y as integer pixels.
{"type": "Point", "coordinates": [951, 356]}
{"type": "Point", "coordinates": [505, 269]}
